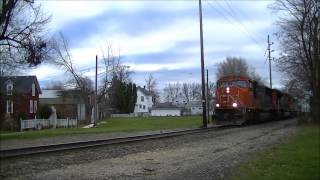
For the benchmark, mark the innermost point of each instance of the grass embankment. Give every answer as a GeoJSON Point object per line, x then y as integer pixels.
{"type": "Point", "coordinates": [297, 159]}
{"type": "Point", "coordinates": [112, 125]}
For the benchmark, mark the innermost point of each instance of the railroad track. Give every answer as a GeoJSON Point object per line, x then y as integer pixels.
{"type": "Point", "coordinates": [9, 153]}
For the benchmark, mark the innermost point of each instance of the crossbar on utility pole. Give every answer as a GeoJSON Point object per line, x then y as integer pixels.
{"type": "Point", "coordinates": [204, 109]}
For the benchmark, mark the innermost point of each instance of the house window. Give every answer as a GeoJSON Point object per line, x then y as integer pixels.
{"type": "Point", "coordinates": [144, 107]}
{"type": "Point", "coordinates": [9, 106]}
{"type": "Point", "coordinates": [35, 106]}
{"type": "Point", "coordinates": [140, 106]}
{"type": "Point", "coordinates": [33, 89]}
{"type": "Point", "coordinates": [142, 98]}
{"type": "Point", "coordinates": [31, 106]}
{"type": "Point", "coordinates": [9, 88]}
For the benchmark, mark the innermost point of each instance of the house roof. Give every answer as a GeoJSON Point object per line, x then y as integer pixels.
{"type": "Point", "coordinates": [144, 91]}
{"type": "Point", "coordinates": [70, 96]}
{"type": "Point", "coordinates": [50, 94]}
{"type": "Point", "coordinates": [165, 106]}
{"type": "Point", "coordinates": [21, 83]}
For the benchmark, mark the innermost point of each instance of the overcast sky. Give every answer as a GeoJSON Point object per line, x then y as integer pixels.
{"type": "Point", "coordinates": [162, 37]}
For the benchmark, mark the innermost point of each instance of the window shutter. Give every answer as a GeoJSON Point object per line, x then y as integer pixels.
{"type": "Point", "coordinates": [35, 106]}
{"type": "Point", "coordinates": [7, 106]}
{"type": "Point", "coordinates": [31, 106]}
{"type": "Point", "coordinates": [11, 106]}
{"type": "Point", "coordinates": [33, 89]}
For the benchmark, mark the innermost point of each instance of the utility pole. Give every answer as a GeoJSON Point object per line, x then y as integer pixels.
{"type": "Point", "coordinates": [204, 109]}
{"type": "Point", "coordinates": [269, 58]}
{"type": "Point", "coordinates": [95, 94]}
{"type": "Point", "coordinates": [208, 101]}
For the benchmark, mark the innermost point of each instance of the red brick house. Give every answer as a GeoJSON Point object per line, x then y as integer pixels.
{"type": "Point", "coordinates": [19, 96]}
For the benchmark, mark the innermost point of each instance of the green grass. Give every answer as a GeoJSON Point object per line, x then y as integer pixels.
{"type": "Point", "coordinates": [112, 125]}
{"type": "Point", "coordinates": [297, 159]}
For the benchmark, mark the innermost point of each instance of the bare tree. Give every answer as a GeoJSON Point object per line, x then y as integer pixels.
{"type": "Point", "coordinates": [62, 58]}
{"type": "Point", "coordinates": [186, 91]}
{"type": "Point", "coordinates": [171, 91]}
{"type": "Point", "coordinates": [192, 91]}
{"type": "Point", "coordinates": [22, 39]}
{"type": "Point", "coordinates": [299, 35]}
{"type": "Point", "coordinates": [113, 68]}
{"type": "Point", "coordinates": [151, 84]}
{"type": "Point", "coordinates": [237, 67]}
{"type": "Point", "coordinates": [195, 92]}
{"type": "Point", "coordinates": [233, 66]}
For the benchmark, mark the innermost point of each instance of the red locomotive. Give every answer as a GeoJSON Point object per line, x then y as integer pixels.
{"type": "Point", "coordinates": [240, 100]}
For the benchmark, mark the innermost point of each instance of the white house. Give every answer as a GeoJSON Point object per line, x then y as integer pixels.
{"type": "Point", "coordinates": [144, 101]}
{"type": "Point", "coordinates": [166, 109]}
{"type": "Point", "coordinates": [195, 107]}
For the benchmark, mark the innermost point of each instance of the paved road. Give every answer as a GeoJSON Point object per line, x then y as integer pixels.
{"type": "Point", "coordinates": [210, 155]}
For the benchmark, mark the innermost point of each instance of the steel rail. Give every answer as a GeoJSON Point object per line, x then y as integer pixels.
{"type": "Point", "coordinates": [8, 153]}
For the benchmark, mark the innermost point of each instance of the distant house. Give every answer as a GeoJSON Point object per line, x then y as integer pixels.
{"type": "Point", "coordinates": [166, 109]}
{"type": "Point", "coordinates": [144, 101]}
{"type": "Point", "coordinates": [68, 103]}
{"type": "Point", "coordinates": [19, 96]}
{"type": "Point", "coordinates": [194, 107]}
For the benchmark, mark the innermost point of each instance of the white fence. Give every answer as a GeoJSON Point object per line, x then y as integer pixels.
{"type": "Point", "coordinates": [45, 123]}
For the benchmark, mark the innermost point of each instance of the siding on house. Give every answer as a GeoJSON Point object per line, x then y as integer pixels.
{"type": "Point", "coordinates": [166, 112]}
{"type": "Point", "coordinates": [144, 101]}
{"type": "Point", "coordinates": [24, 96]}
{"type": "Point", "coordinates": [166, 109]}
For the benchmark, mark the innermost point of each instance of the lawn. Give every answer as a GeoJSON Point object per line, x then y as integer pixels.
{"type": "Point", "coordinates": [297, 159]}
{"type": "Point", "coordinates": [113, 125]}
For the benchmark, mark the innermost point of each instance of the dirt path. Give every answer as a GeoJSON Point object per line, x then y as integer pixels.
{"type": "Point", "coordinates": [204, 156]}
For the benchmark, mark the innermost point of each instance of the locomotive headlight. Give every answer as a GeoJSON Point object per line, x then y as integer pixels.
{"type": "Point", "coordinates": [217, 105]}
{"type": "Point", "coordinates": [234, 105]}
{"type": "Point", "coordinates": [228, 90]}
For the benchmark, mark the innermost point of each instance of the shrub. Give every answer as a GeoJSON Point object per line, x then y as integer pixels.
{"type": "Point", "coordinates": [8, 123]}
{"type": "Point", "coordinates": [44, 112]}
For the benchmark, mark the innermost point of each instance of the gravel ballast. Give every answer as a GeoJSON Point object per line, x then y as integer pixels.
{"type": "Point", "coordinates": [209, 155]}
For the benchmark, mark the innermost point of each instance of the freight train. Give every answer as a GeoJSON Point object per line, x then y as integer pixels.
{"type": "Point", "coordinates": [241, 100]}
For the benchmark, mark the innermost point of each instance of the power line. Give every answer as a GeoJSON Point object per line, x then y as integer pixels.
{"type": "Point", "coordinates": [234, 22]}
{"type": "Point", "coordinates": [235, 15]}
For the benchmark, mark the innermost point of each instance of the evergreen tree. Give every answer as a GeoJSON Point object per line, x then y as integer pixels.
{"type": "Point", "coordinates": [123, 95]}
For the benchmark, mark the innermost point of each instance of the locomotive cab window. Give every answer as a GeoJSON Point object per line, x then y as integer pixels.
{"type": "Point", "coordinates": [240, 83]}
{"type": "Point", "coordinates": [223, 84]}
